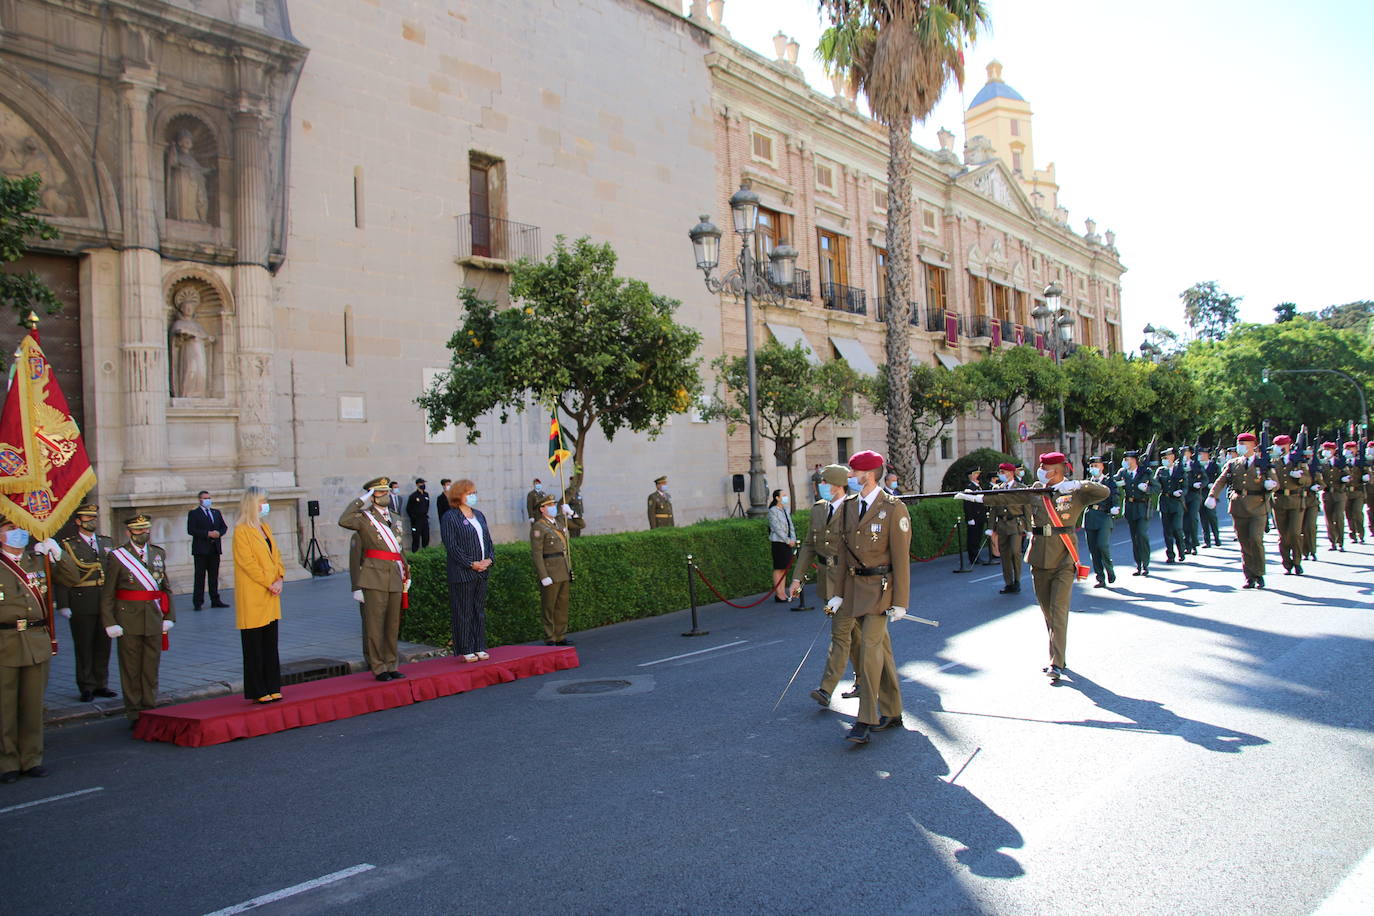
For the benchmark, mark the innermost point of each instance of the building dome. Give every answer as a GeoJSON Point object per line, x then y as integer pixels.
{"type": "Point", "coordinates": [995, 88]}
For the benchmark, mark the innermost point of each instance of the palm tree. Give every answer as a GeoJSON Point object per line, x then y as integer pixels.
{"type": "Point", "coordinates": [901, 54]}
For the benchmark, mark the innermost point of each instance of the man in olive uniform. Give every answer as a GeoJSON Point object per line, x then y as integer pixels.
{"type": "Point", "coordinates": [1053, 550]}
{"type": "Point", "coordinates": [822, 546]}
{"type": "Point", "coordinates": [1170, 478]}
{"type": "Point", "coordinates": [1290, 502]}
{"type": "Point", "coordinates": [1367, 478]}
{"type": "Point", "coordinates": [1098, 521]}
{"type": "Point", "coordinates": [1211, 531]}
{"type": "Point", "coordinates": [383, 575]}
{"type": "Point", "coordinates": [1354, 494]}
{"type": "Point", "coordinates": [355, 566]}
{"type": "Point", "coordinates": [533, 498]}
{"type": "Point", "coordinates": [1312, 508]}
{"type": "Point", "coordinates": [1137, 484]}
{"type": "Point", "coordinates": [136, 608]}
{"type": "Point", "coordinates": [77, 582]}
{"type": "Point", "coordinates": [1195, 484]}
{"type": "Point", "coordinates": [553, 567]}
{"type": "Point", "coordinates": [1334, 480]}
{"type": "Point", "coordinates": [1009, 524]}
{"type": "Point", "coordinates": [660, 505]}
{"type": "Point", "coordinates": [25, 650]}
{"type": "Point", "coordinates": [875, 530]}
{"type": "Point", "coordinates": [577, 523]}
{"type": "Point", "coordinates": [1250, 485]}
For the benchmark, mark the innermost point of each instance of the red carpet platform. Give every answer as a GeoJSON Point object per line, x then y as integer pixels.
{"type": "Point", "coordinates": [226, 718]}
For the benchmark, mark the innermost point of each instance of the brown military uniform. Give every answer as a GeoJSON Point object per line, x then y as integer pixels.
{"type": "Point", "coordinates": [140, 648]}
{"type": "Point", "coordinates": [552, 560]}
{"type": "Point", "coordinates": [381, 581]}
{"type": "Point", "coordinates": [823, 546]}
{"type": "Point", "coordinates": [24, 657]}
{"type": "Point", "coordinates": [77, 579]}
{"type": "Point", "coordinates": [660, 510]}
{"type": "Point", "coordinates": [1249, 506]}
{"type": "Point", "coordinates": [1052, 567]}
{"type": "Point", "coordinates": [1290, 502]}
{"type": "Point", "coordinates": [1010, 523]}
{"type": "Point", "coordinates": [1367, 478]}
{"type": "Point", "coordinates": [1334, 493]}
{"type": "Point", "coordinates": [876, 560]}
{"type": "Point", "coordinates": [1354, 501]}
{"type": "Point", "coordinates": [532, 500]}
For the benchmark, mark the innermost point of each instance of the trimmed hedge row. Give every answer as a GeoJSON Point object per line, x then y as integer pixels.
{"type": "Point", "coordinates": [629, 575]}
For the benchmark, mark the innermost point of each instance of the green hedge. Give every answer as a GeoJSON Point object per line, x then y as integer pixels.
{"type": "Point", "coordinates": [628, 575]}
{"type": "Point", "coordinates": [985, 459]}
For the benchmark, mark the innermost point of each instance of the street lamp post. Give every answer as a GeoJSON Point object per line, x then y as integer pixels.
{"type": "Point", "coordinates": [750, 282]}
{"type": "Point", "coordinates": [1150, 348]}
{"type": "Point", "coordinates": [1054, 322]}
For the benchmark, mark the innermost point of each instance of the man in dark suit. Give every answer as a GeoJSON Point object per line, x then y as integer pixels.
{"type": "Point", "coordinates": [206, 527]}
{"type": "Point", "coordinates": [417, 510]}
{"type": "Point", "coordinates": [441, 502]}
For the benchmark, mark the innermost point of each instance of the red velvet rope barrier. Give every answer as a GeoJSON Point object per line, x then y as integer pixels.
{"type": "Point", "coordinates": [742, 607]}
{"type": "Point", "coordinates": [939, 553]}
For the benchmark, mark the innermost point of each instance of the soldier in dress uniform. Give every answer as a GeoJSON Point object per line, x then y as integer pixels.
{"type": "Point", "coordinates": [1250, 484]}
{"type": "Point", "coordinates": [1335, 479]}
{"type": "Point", "coordinates": [1290, 502]}
{"type": "Point", "coordinates": [660, 505]}
{"type": "Point", "coordinates": [1136, 486]}
{"type": "Point", "coordinates": [1172, 487]}
{"type": "Point", "coordinates": [383, 575]}
{"type": "Point", "coordinates": [553, 566]}
{"type": "Point", "coordinates": [1354, 494]}
{"type": "Point", "coordinates": [822, 546]}
{"type": "Point", "coordinates": [1009, 524]}
{"type": "Point", "coordinates": [1367, 479]}
{"type": "Point", "coordinates": [25, 650]}
{"type": "Point", "coordinates": [533, 498]}
{"type": "Point", "coordinates": [1195, 485]}
{"type": "Point", "coordinates": [1054, 546]}
{"type": "Point", "coordinates": [77, 582]}
{"type": "Point", "coordinates": [1211, 531]}
{"type": "Point", "coordinates": [1098, 521]}
{"type": "Point", "coordinates": [875, 530]}
{"type": "Point", "coordinates": [136, 609]}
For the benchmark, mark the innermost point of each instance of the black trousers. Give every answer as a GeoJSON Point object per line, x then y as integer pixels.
{"type": "Point", "coordinates": [261, 666]}
{"type": "Point", "coordinates": [419, 536]}
{"type": "Point", "coordinates": [207, 567]}
{"type": "Point", "coordinates": [467, 605]}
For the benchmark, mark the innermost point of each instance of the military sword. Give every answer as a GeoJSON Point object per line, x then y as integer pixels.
{"type": "Point", "coordinates": [1039, 491]}
{"type": "Point", "coordinates": [824, 624]}
{"type": "Point", "coordinates": [914, 619]}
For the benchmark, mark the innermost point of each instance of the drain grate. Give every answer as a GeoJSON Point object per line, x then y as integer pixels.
{"type": "Point", "coordinates": [584, 687]}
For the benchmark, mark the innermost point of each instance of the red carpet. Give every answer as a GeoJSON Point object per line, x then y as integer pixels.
{"type": "Point", "coordinates": [226, 718]}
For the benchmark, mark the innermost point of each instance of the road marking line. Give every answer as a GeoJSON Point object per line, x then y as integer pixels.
{"type": "Point", "coordinates": [986, 578]}
{"type": "Point", "coordinates": [292, 891]}
{"type": "Point", "coordinates": [44, 801]}
{"type": "Point", "coordinates": [757, 645]}
{"type": "Point", "coordinates": [1354, 893]}
{"type": "Point", "coordinates": [673, 658]}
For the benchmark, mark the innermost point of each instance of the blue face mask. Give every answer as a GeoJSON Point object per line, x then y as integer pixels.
{"type": "Point", "coordinates": [17, 538]}
{"type": "Point", "coordinates": [1095, 471]}
{"type": "Point", "coordinates": [539, 488]}
{"type": "Point", "coordinates": [550, 511]}
{"type": "Point", "coordinates": [853, 484]}
{"type": "Point", "coordinates": [262, 513]}
{"type": "Point", "coordinates": [472, 499]}
{"type": "Point", "coordinates": [205, 503]}
{"type": "Point", "coordinates": [824, 490]}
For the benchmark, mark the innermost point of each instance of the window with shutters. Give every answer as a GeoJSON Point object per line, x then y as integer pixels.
{"type": "Point", "coordinates": [825, 176]}
{"type": "Point", "coordinates": [834, 257]}
{"type": "Point", "coordinates": [762, 146]}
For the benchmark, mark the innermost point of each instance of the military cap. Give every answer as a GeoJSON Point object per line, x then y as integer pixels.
{"type": "Point", "coordinates": [1132, 454]}
{"type": "Point", "coordinates": [1186, 448]}
{"type": "Point", "coordinates": [1246, 437]}
{"type": "Point", "coordinates": [548, 500]}
{"type": "Point", "coordinates": [1283, 440]}
{"type": "Point", "coordinates": [378, 483]}
{"type": "Point", "coordinates": [1350, 445]}
{"type": "Point", "coordinates": [1052, 458]}
{"type": "Point", "coordinates": [1004, 466]}
{"type": "Point", "coordinates": [138, 522]}
{"type": "Point", "coordinates": [663, 479]}
{"type": "Point", "coordinates": [1166, 451]}
{"type": "Point", "coordinates": [837, 475]}
{"type": "Point", "coordinates": [867, 460]}
{"type": "Point", "coordinates": [1096, 459]}
{"type": "Point", "coordinates": [87, 509]}
{"type": "Point", "coordinates": [1330, 445]}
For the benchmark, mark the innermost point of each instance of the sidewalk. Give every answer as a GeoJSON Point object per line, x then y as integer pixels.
{"type": "Point", "coordinates": [320, 621]}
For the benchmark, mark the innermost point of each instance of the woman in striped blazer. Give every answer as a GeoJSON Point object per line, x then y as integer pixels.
{"type": "Point", "coordinates": [467, 538]}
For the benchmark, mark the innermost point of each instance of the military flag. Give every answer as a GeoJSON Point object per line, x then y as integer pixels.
{"type": "Point", "coordinates": [44, 469]}
{"type": "Point", "coordinates": [557, 453]}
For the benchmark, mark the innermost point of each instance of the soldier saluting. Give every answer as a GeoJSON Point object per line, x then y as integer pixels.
{"type": "Point", "coordinates": [78, 577]}
{"type": "Point", "coordinates": [1250, 481]}
{"type": "Point", "coordinates": [383, 575]}
{"type": "Point", "coordinates": [1009, 524]}
{"type": "Point", "coordinates": [136, 608]}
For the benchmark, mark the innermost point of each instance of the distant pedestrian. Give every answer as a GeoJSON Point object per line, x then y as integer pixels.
{"type": "Point", "coordinates": [467, 539]}
{"type": "Point", "coordinates": [205, 524]}
{"type": "Point", "coordinates": [782, 537]}
{"type": "Point", "coordinates": [417, 510]}
{"type": "Point", "coordinates": [258, 579]}
{"type": "Point", "coordinates": [441, 499]}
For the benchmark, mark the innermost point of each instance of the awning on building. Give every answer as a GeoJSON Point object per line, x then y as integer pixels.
{"type": "Point", "coordinates": [788, 335]}
{"type": "Point", "coordinates": [853, 352]}
{"type": "Point", "coordinates": [949, 362]}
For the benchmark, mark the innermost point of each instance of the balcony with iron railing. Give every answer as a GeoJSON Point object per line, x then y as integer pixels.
{"type": "Point", "coordinates": [880, 310]}
{"type": "Point", "coordinates": [841, 298]}
{"type": "Point", "coordinates": [801, 285]}
{"type": "Point", "coordinates": [935, 320]}
{"type": "Point", "coordinates": [980, 326]}
{"type": "Point", "coordinates": [481, 236]}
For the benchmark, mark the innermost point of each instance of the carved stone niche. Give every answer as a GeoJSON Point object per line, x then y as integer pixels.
{"type": "Point", "coordinates": [190, 172]}
{"type": "Point", "coordinates": [195, 343]}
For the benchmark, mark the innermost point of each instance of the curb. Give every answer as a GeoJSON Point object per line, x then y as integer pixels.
{"type": "Point", "coordinates": [100, 709]}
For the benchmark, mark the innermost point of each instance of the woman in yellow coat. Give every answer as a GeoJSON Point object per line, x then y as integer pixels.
{"type": "Point", "coordinates": [258, 578]}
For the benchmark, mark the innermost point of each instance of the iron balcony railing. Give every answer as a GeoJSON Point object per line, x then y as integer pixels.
{"type": "Point", "coordinates": [1008, 331]}
{"type": "Point", "coordinates": [843, 298]}
{"type": "Point", "coordinates": [981, 326]}
{"type": "Point", "coordinates": [801, 285]}
{"type": "Point", "coordinates": [880, 310]}
{"type": "Point", "coordinates": [481, 236]}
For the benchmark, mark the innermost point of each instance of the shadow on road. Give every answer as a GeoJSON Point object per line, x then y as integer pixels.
{"type": "Point", "coordinates": [1154, 717]}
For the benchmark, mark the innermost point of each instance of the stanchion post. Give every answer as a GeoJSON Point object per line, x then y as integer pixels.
{"type": "Point", "coordinates": [963, 545]}
{"type": "Point", "coordinates": [692, 596]}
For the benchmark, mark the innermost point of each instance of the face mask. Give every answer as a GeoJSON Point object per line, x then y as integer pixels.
{"type": "Point", "coordinates": [139, 539]}
{"type": "Point", "coordinates": [1275, 451]}
{"type": "Point", "coordinates": [786, 500]}
{"type": "Point", "coordinates": [1095, 471]}
{"type": "Point", "coordinates": [853, 484]}
{"type": "Point", "coordinates": [1243, 449]}
{"type": "Point", "coordinates": [17, 538]}
{"type": "Point", "coordinates": [1327, 453]}
{"type": "Point", "coordinates": [1042, 475]}
{"type": "Point", "coordinates": [1005, 478]}
{"type": "Point", "coordinates": [1369, 454]}
{"type": "Point", "coordinates": [539, 488]}
{"type": "Point", "coordinates": [1168, 463]}
{"type": "Point", "coordinates": [472, 499]}
{"type": "Point", "coordinates": [1350, 453]}
{"type": "Point", "coordinates": [262, 513]}
{"type": "Point", "coordinates": [86, 524]}
{"type": "Point", "coordinates": [205, 503]}
{"type": "Point", "coordinates": [824, 491]}
{"type": "Point", "coordinates": [549, 511]}
{"type": "Point", "coordinates": [381, 499]}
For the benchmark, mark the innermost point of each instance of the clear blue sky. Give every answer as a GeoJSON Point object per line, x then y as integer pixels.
{"type": "Point", "coordinates": [1223, 140]}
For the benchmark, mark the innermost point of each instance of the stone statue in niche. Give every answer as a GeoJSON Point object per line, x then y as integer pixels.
{"type": "Point", "coordinates": [190, 347]}
{"type": "Point", "coordinates": [188, 196]}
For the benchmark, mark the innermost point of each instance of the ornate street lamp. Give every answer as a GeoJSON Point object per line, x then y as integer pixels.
{"type": "Point", "coordinates": [1055, 323]}
{"type": "Point", "coordinates": [750, 280]}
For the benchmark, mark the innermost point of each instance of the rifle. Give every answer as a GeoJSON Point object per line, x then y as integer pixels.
{"type": "Point", "coordinates": [1262, 459]}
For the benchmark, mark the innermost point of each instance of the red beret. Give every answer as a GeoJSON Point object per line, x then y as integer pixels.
{"type": "Point", "coordinates": [1283, 440]}
{"type": "Point", "coordinates": [1330, 445]}
{"type": "Point", "coordinates": [1006, 467]}
{"type": "Point", "coordinates": [865, 461]}
{"type": "Point", "coordinates": [1350, 445]}
{"type": "Point", "coordinates": [1052, 458]}
{"type": "Point", "coordinates": [1246, 437]}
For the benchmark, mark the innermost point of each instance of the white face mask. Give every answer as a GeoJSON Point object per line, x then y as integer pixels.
{"type": "Point", "coordinates": [1275, 451]}
{"type": "Point", "coordinates": [539, 488]}
{"type": "Point", "coordinates": [263, 512]}
{"type": "Point", "coordinates": [1005, 478]}
{"type": "Point", "coordinates": [1327, 453]}
{"type": "Point", "coordinates": [205, 503]}
{"type": "Point", "coordinates": [1350, 453]}
{"type": "Point", "coordinates": [824, 490]}
{"type": "Point", "coordinates": [1369, 454]}
{"type": "Point", "coordinates": [786, 500]}
{"type": "Point", "coordinates": [17, 538]}
{"type": "Point", "coordinates": [1168, 463]}
{"type": "Point", "coordinates": [472, 499]}
{"type": "Point", "coordinates": [663, 489]}
{"type": "Point", "coordinates": [853, 484]}
{"type": "Point", "coordinates": [550, 511]}
{"type": "Point", "coordinates": [1243, 449]}
{"type": "Point", "coordinates": [1095, 471]}
{"type": "Point", "coordinates": [1042, 475]}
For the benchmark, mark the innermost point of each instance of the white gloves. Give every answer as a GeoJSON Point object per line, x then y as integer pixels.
{"type": "Point", "coordinates": [1178, 493]}
{"type": "Point", "coordinates": [358, 596]}
{"type": "Point", "coordinates": [66, 612]}
{"type": "Point", "coordinates": [167, 625]}
{"type": "Point", "coordinates": [1365, 478]}
{"type": "Point", "coordinates": [567, 510]}
{"type": "Point", "coordinates": [896, 613]}
{"type": "Point", "coordinates": [987, 533]}
{"type": "Point", "coordinates": [365, 497]}
{"type": "Point", "coordinates": [833, 605]}
{"type": "Point", "coordinates": [1067, 486]}
{"type": "Point", "coordinates": [1271, 484]}
{"type": "Point", "coordinates": [114, 632]}
{"type": "Point", "coordinates": [1143, 487]}
{"type": "Point", "coordinates": [1197, 485]}
{"type": "Point", "coordinates": [546, 582]}
{"type": "Point", "coordinates": [1295, 474]}
{"type": "Point", "coordinates": [1116, 510]}
{"type": "Point", "coordinates": [50, 548]}
{"type": "Point", "coordinates": [969, 497]}
{"type": "Point", "coordinates": [1345, 479]}
{"type": "Point", "coordinates": [1315, 488]}
{"type": "Point", "coordinates": [1210, 502]}
{"type": "Point", "coordinates": [972, 522]}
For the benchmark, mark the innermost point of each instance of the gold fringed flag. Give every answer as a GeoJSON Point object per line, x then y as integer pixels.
{"type": "Point", "coordinates": [557, 453]}
{"type": "Point", "coordinates": [44, 469]}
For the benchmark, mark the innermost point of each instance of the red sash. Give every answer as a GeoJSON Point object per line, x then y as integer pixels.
{"type": "Point", "coordinates": [371, 554]}
{"type": "Point", "coordinates": [23, 576]}
{"type": "Point", "coordinates": [164, 605]}
{"type": "Point", "coordinates": [1070, 542]}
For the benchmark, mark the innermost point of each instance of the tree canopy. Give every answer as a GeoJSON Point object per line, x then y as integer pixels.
{"type": "Point", "coordinates": [938, 398]}
{"type": "Point", "coordinates": [1008, 379]}
{"type": "Point", "coordinates": [1209, 310]}
{"type": "Point", "coordinates": [19, 198]}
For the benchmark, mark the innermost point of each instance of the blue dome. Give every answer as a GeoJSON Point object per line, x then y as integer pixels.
{"type": "Point", "coordinates": [995, 90]}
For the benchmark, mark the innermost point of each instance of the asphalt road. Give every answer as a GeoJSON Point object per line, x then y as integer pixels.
{"type": "Point", "coordinates": [1212, 754]}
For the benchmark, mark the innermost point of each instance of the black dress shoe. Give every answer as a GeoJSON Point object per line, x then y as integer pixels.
{"type": "Point", "coordinates": [821, 697]}
{"type": "Point", "coordinates": [1137, 571]}
{"type": "Point", "coordinates": [384, 676]}
{"type": "Point", "coordinates": [195, 607]}
{"type": "Point", "coordinates": [1249, 583]}
{"type": "Point", "coordinates": [11, 776]}
{"type": "Point", "coordinates": [1111, 575]}
{"type": "Point", "coordinates": [397, 676]}
{"type": "Point", "coordinates": [1099, 583]}
{"type": "Point", "coordinates": [87, 696]}
{"type": "Point", "coordinates": [852, 692]}
{"type": "Point", "coordinates": [105, 692]}
{"type": "Point", "coordinates": [1298, 569]}
{"type": "Point", "coordinates": [1259, 582]}
{"type": "Point", "coordinates": [218, 604]}
{"type": "Point", "coordinates": [37, 772]}
{"type": "Point", "coordinates": [1008, 590]}
{"type": "Point", "coordinates": [859, 733]}
{"type": "Point", "coordinates": [886, 722]}
{"type": "Point", "coordinates": [565, 642]}
{"type": "Point", "coordinates": [1145, 571]}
